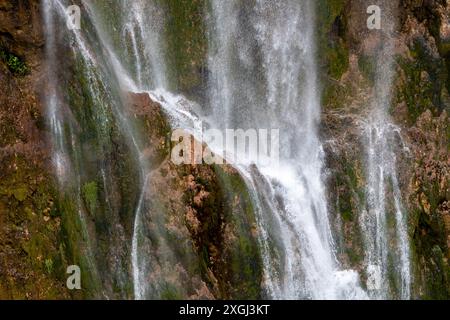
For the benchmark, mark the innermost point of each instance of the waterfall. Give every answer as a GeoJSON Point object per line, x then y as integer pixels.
{"type": "Point", "coordinates": [387, 253]}
{"type": "Point", "coordinates": [138, 63]}
{"type": "Point", "coordinates": [102, 79]}
{"type": "Point", "coordinates": [67, 169]}
{"type": "Point", "coordinates": [262, 75]}
{"type": "Point", "coordinates": [140, 66]}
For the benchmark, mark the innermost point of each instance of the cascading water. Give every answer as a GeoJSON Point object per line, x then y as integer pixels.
{"type": "Point", "coordinates": [97, 127]}
{"type": "Point", "coordinates": [140, 67]}
{"type": "Point", "coordinates": [141, 53]}
{"type": "Point", "coordinates": [63, 143]}
{"type": "Point", "coordinates": [384, 223]}
{"type": "Point", "coordinates": [262, 76]}
{"type": "Point", "coordinates": [270, 48]}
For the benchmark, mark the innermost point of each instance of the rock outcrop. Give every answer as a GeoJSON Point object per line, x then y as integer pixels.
{"type": "Point", "coordinates": [201, 214]}
{"type": "Point", "coordinates": [199, 219]}
{"type": "Point", "coordinates": [30, 256]}
{"type": "Point", "coordinates": [420, 109]}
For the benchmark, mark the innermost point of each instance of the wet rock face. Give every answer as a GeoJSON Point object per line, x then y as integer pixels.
{"type": "Point", "coordinates": [199, 219]}
{"type": "Point", "coordinates": [420, 108]}
{"type": "Point", "coordinates": [213, 247]}
{"type": "Point", "coordinates": [205, 212]}
{"type": "Point", "coordinates": [444, 28]}
{"type": "Point", "coordinates": [21, 27]}
{"type": "Point", "coordinates": [345, 177]}
{"type": "Point", "coordinates": [30, 259]}
{"type": "Point", "coordinates": [152, 124]}
{"type": "Point", "coordinates": [429, 196]}
{"type": "Point", "coordinates": [425, 128]}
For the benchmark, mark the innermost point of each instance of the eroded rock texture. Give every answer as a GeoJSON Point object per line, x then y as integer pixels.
{"type": "Point", "coordinates": [30, 259]}
{"type": "Point", "coordinates": [420, 109]}
{"type": "Point", "coordinates": [205, 211]}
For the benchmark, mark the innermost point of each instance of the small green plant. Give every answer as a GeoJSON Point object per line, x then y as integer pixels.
{"type": "Point", "coordinates": [48, 265]}
{"type": "Point", "coordinates": [16, 65]}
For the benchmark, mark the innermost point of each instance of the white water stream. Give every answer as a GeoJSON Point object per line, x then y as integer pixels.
{"type": "Point", "coordinates": [263, 75]}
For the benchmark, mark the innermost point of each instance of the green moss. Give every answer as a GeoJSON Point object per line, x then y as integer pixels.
{"type": "Point", "coordinates": [20, 193]}
{"type": "Point", "coordinates": [367, 67]}
{"type": "Point", "coordinates": [416, 93]}
{"type": "Point", "coordinates": [245, 264]}
{"type": "Point", "coordinates": [333, 50]}
{"type": "Point", "coordinates": [431, 269]}
{"type": "Point", "coordinates": [328, 10]}
{"type": "Point", "coordinates": [90, 192]}
{"type": "Point", "coordinates": [352, 192]}
{"type": "Point", "coordinates": [157, 128]}
{"type": "Point", "coordinates": [26, 196]}
{"type": "Point", "coordinates": [187, 41]}
{"type": "Point", "coordinates": [338, 59]}
{"type": "Point", "coordinates": [426, 77]}
{"type": "Point", "coordinates": [171, 292]}
{"type": "Point", "coordinates": [348, 200]}
{"type": "Point", "coordinates": [76, 248]}
{"type": "Point", "coordinates": [335, 94]}
{"type": "Point", "coordinates": [354, 256]}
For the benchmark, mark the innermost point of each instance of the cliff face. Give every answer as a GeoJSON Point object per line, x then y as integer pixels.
{"type": "Point", "coordinates": [208, 213]}
{"type": "Point", "coordinates": [198, 218]}
{"type": "Point", "coordinates": [420, 109]}
{"type": "Point", "coordinates": [29, 222]}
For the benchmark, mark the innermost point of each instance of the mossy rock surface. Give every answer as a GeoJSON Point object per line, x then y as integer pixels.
{"type": "Point", "coordinates": [187, 42]}
{"type": "Point", "coordinates": [29, 233]}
